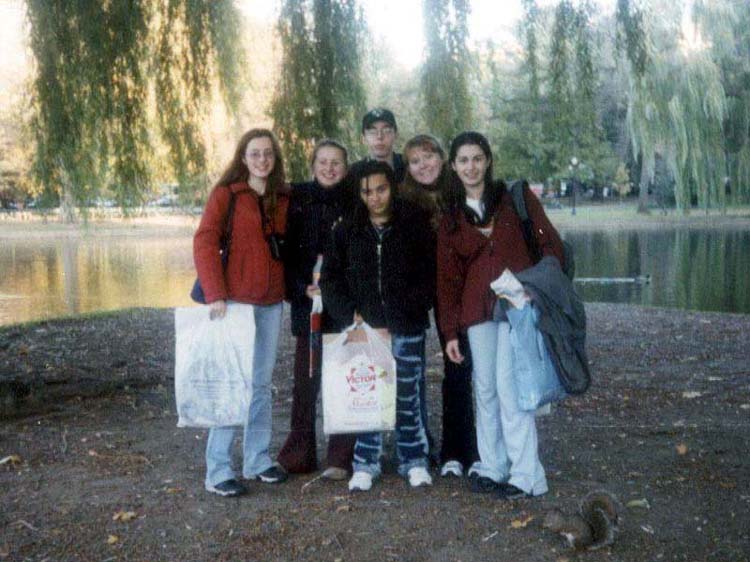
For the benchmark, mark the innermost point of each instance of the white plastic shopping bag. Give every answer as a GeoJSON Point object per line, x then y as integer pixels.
{"type": "Point", "coordinates": [359, 383]}
{"type": "Point", "coordinates": [213, 365]}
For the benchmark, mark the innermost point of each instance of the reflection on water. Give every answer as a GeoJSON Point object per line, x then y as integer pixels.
{"type": "Point", "coordinates": [694, 269]}
{"type": "Point", "coordinates": [50, 278]}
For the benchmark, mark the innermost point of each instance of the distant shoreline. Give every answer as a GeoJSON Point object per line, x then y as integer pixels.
{"type": "Point", "coordinates": [178, 223]}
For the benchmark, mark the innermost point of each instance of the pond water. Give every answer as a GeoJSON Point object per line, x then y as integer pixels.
{"type": "Point", "coordinates": [692, 269]}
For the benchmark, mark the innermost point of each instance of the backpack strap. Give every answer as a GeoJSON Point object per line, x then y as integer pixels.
{"type": "Point", "coordinates": [226, 239]}
{"type": "Point", "coordinates": [516, 192]}
{"type": "Point", "coordinates": [527, 226]}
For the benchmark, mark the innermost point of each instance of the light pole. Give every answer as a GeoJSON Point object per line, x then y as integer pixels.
{"type": "Point", "coordinates": [573, 168]}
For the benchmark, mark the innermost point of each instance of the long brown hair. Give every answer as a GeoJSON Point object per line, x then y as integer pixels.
{"type": "Point", "coordinates": [455, 196]}
{"type": "Point", "coordinates": [237, 170]}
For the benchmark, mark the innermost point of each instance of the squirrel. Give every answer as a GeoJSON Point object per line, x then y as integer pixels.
{"type": "Point", "coordinates": [594, 526]}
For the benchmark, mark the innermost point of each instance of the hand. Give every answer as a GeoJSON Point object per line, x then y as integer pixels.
{"type": "Point", "coordinates": [217, 309]}
{"type": "Point", "coordinates": [312, 291]}
{"type": "Point", "coordinates": [357, 335]}
{"type": "Point", "coordinates": [358, 318]}
{"type": "Point", "coordinates": [453, 351]}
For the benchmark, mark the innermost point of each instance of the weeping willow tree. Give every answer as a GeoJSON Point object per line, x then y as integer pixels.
{"type": "Point", "coordinates": [676, 107]}
{"type": "Point", "coordinates": [320, 92]}
{"type": "Point", "coordinates": [727, 24]}
{"type": "Point", "coordinates": [447, 104]}
{"type": "Point", "coordinates": [101, 67]}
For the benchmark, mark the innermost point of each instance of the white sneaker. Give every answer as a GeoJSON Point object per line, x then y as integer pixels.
{"type": "Point", "coordinates": [474, 469]}
{"type": "Point", "coordinates": [360, 482]}
{"type": "Point", "coordinates": [418, 476]}
{"type": "Point", "coordinates": [452, 468]}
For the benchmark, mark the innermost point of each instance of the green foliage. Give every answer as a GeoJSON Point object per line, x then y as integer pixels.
{"type": "Point", "coordinates": [320, 91]}
{"type": "Point", "coordinates": [728, 26]}
{"type": "Point", "coordinates": [97, 66]}
{"type": "Point", "coordinates": [631, 35]}
{"type": "Point", "coordinates": [540, 120]}
{"type": "Point", "coordinates": [678, 108]}
{"type": "Point", "coordinates": [447, 104]}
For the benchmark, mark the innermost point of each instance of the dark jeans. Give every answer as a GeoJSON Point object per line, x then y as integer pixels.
{"type": "Point", "coordinates": [411, 438]}
{"type": "Point", "coordinates": [298, 452]}
{"type": "Point", "coordinates": [459, 430]}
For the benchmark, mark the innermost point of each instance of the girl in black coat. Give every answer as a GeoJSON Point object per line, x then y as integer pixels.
{"type": "Point", "coordinates": [381, 270]}
{"type": "Point", "coordinates": [313, 210]}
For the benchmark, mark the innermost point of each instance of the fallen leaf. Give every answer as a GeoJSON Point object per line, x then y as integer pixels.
{"type": "Point", "coordinates": [681, 449]}
{"type": "Point", "coordinates": [689, 394]}
{"type": "Point", "coordinates": [521, 523]}
{"type": "Point", "coordinates": [639, 503]}
{"type": "Point", "coordinates": [648, 528]}
{"type": "Point", "coordinates": [728, 485]}
{"type": "Point", "coordinates": [343, 508]}
{"type": "Point", "coordinates": [491, 535]}
{"type": "Point", "coordinates": [174, 490]}
{"type": "Point", "coordinates": [93, 453]}
{"type": "Point", "coordinates": [112, 539]}
{"type": "Point", "coordinates": [124, 516]}
{"type": "Point", "coordinates": [10, 459]}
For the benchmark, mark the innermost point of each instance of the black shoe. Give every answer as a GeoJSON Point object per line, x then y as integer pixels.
{"type": "Point", "coordinates": [227, 489]}
{"type": "Point", "coordinates": [511, 492]}
{"type": "Point", "coordinates": [484, 485]}
{"type": "Point", "coordinates": [273, 475]}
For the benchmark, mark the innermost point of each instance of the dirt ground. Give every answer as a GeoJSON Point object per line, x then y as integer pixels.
{"type": "Point", "coordinates": [93, 467]}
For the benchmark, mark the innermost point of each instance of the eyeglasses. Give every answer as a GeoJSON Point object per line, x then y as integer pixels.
{"type": "Point", "coordinates": [258, 154]}
{"type": "Point", "coordinates": [375, 133]}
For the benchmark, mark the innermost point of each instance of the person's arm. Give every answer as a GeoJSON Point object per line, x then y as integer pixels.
{"type": "Point", "coordinates": [450, 283]}
{"type": "Point", "coordinates": [206, 245]}
{"type": "Point", "coordinates": [337, 298]}
{"type": "Point", "coordinates": [293, 258]}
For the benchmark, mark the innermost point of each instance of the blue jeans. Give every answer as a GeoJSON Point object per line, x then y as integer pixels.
{"type": "Point", "coordinates": [257, 430]}
{"type": "Point", "coordinates": [506, 436]}
{"type": "Point", "coordinates": [411, 438]}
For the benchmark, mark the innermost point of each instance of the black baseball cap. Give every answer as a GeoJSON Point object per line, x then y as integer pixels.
{"type": "Point", "coordinates": [378, 114]}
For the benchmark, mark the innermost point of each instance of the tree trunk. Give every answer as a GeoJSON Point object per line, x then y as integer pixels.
{"type": "Point", "coordinates": [67, 201]}
{"type": "Point", "coordinates": [643, 190]}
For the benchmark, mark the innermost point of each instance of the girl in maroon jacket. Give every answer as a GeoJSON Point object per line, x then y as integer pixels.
{"type": "Point", "coordinates": [480, 236]}
{"type": "Point", "coordinates": [254, 275]}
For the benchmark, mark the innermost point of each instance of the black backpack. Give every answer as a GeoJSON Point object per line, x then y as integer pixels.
{"type": "Point", "coordinates": [516, 191]}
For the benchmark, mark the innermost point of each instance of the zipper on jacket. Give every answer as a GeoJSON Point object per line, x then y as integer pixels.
{"type": "Point", "coordinates": [380, 270]}
{"type": "Point", "coordinates": [380, 234]}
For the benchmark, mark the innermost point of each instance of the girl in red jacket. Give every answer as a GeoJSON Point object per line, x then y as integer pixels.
{"type": "Point", "coordinates": [254, 274]}
{"type": "Point", "coordinates": [480, 236]}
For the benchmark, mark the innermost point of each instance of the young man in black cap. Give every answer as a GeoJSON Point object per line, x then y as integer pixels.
{"type": "Point", "coordinates": [379, 133]}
